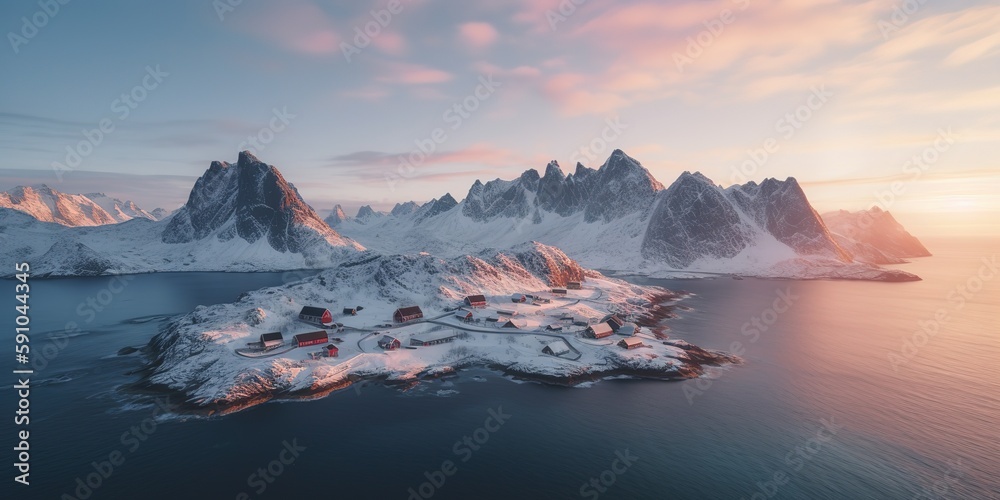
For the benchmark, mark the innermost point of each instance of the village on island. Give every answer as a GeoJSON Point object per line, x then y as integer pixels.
{"type": "Point", "coordinates": [560, 321]}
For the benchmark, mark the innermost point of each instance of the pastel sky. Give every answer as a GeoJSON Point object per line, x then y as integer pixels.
{"type": "Point", "coordinates": [854, 99]}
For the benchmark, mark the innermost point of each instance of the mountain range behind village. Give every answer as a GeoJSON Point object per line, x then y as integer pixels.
{"type": "Point", "coordinates": [245, 216]}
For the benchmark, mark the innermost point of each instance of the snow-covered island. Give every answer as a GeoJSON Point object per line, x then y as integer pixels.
{"type": "Point", "coordinates": [531, 326]}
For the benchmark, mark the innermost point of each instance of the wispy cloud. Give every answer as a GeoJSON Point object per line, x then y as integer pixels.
{"type": "Point", "coordinates": [298, 26]}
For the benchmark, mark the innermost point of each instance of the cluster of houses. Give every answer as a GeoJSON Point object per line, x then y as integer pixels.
{"type": "Point", "coordinates": [273, 340]}
{"type": "Point", "coordinates": [611, 325]}
{"type": "Point", "coordinates": [322, 317]}
{"type": "Point", "coordinates": [503, 318]}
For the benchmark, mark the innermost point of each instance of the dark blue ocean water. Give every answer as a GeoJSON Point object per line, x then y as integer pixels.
{"type": "Point", "coordinates": [840, 396]}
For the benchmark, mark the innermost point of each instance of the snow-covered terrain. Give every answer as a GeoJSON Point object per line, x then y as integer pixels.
{"type": "Point", "coordinates": [49, 205]}
{"type": "Point", "coordinates": [197, 354]}
{"type": "Point", "coordinates": [620, 218]}
{"type": "Point", "coordinates": [239, 217]}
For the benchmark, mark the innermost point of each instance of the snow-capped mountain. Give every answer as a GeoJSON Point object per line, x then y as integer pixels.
{"type": "Point", "coordinates": [366, 213]}
{"type": "Point", "coordinates": [160, 213]}
{"type": "Point", "coordinates": [238, 217]}
{"type": "Point", "coordinates": [336, 216]}
{"type": "Point", "coordinates": [619, 217]}
{"type": "Point", "coordinates": [49, 205]}
{"type": "Point", "coordinates": [695, 219]}
{"type": "Point", "coordinates": [874, 235]}
{"type": "Point", "coordinates": [120, 210]}
{"type": "Point", "coordinates": [252, 201]}
{"type": "Point", "coordinates": [404, 208]}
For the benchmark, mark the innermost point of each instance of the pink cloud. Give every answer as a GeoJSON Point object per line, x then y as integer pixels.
{"type": "Point", "coordinates": [412, 74]}
{"type": "Point", "coordinates": [300, 27]}
{"type": "Point", "coordinates": [390, 43]}
{"type": "Point", "coordinates": [477, 35]}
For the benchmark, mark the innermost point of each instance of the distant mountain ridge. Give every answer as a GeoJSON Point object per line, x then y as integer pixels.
{"type": "Point", "coordinates": [619, 217]}
{"type": "Point", "coordinates": [50, 205]}
{"type": "Point", "coordinates": [874, 235]}
{"type": "Point", "coordinates": [246, 216]}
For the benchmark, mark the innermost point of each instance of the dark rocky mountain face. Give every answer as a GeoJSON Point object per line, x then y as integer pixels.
{"type": "Point", "coordinates": [438, 206]}
{"type": "Point", "coordinates": [620, 187]}
{"type": "Point", "coordinates": [694, 219]}
{"type": "Point", "coordinates": [249, 200]}
{"type": "Point", "coordinates": [783, 210]}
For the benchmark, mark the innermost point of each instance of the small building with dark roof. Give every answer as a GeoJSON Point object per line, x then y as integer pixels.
{"type": "Point", "coordinates": [331, 351]}
{"type": "Point", "coordinates": [316, 315]}
{"type": "Point", "coordinates": [518, 298]}
{"type": "Point", "coordinates": [574, 285]}
{"type": "Point", "coordinates": [424, 342]}
{"type": "Point", "coordinates": [613, 321]}
{"type": "Point", "coordinates": [388, 343]}
{"type": "Point", "coordinates": [311, 338]}
{"type": "Point", "coordinates": [554, 328]}
{"type": "Point", "coordinates": [271, 340]}
{"type": "Point", "coordinates": [558, 291]}
{"type": "Point", "coordinates": [630, 343]}
{"type": "Point", "coordinates": [628, 329]}
{"type": "Point", "coordinates": [475, 301]}
{"type": "Point", "coordinates": [465, 316]}
{"type": "Point", "coordinates": [506, 312]}
{"type": "Point", "coordinates": [511, 323]}
{"type": "Point", "coordinates": [556, 348]}
{"type": "Point", "coordinates": [599, 331]}
{"type": "Point", "coordinates": [404, 314]}
{"type": "Point", "coordinates": [351, 311]}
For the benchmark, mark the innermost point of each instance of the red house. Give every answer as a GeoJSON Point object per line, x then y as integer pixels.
{"type": "Point", "coordinates": [475, 301]}
{"type": "Point", "coordinates": [311, 338]}
{"type": "Point", "coordinates": [331, 351]}
{"type": "Point", "coordinates": [316, 315]}
{"type": "Point", "coordinates": [404, 314]}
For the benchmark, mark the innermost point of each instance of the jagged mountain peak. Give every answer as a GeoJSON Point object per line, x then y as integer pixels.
{"type": "Point", "coordinates": [582, 171]}
{"type": "Point", "coordinates": [688, 177]}
{"type": "Point", "coordinates": [247, 158]}
{"type": "Point", "coordinates": [336, 216]}
{"type": "Point", "coordinates": [404, 208]}
{"type": "Point", "coordinates": [530, 176]}
{"type": "Point", "coordinates": [553, 171]}
{"type": "Point", "coordinates": [253, 202]}
{"type": "Point", "coordinates": [366, 212]}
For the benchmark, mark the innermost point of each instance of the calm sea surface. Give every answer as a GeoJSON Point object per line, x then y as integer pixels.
{"type": "Point", "coordinates": [849, 390]}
